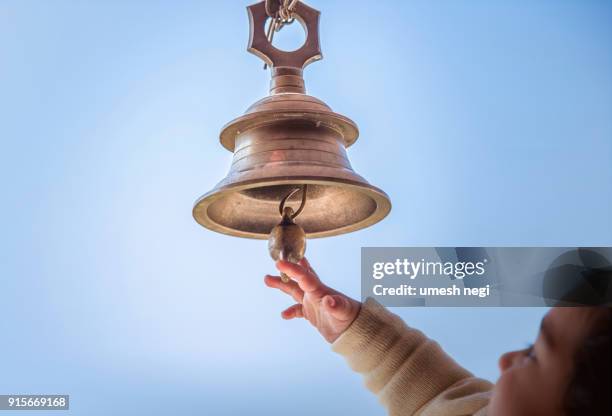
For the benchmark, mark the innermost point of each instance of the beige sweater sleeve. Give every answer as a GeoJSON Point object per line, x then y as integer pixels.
{"type": "Point", "coordinates": [409, 372]}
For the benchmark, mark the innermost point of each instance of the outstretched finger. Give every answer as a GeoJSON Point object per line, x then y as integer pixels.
{"type": "Point", "coordinates": [291, 288]}
{"type": "Point", "coordinates": [306, 264]}
{"type": "Point", "coordinates": [294, 311]}
{"type": "Point", "coordinates": [307, 280]}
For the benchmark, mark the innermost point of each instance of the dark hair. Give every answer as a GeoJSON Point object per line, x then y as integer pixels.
{"type": "Point", "coordinates": [589, 389]}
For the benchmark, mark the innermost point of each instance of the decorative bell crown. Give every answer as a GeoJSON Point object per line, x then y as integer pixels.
{"type": "Point", "coordinates": [285, 141]}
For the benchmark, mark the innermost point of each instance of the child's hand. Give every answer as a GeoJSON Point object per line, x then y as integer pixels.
{"type": "Point", "coordinates": [329, 311]}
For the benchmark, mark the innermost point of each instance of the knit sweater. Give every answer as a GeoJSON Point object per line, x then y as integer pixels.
{"type": "Point", "coordinates": [410, 373]}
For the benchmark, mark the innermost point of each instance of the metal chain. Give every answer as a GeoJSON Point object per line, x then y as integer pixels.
{"type": "Point", "coordinates": [286, 10]}
{"type": "Point", "coordinates": [281, 14]}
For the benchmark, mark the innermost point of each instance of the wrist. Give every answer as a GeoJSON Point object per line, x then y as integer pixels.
{"type": "Point", "coordinates": [355, 308]}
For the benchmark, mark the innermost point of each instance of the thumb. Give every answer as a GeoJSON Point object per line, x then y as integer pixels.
{"type": "Point", "coordinates": [338, 306]}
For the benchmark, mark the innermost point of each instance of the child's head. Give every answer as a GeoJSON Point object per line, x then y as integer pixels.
{"type": "Point", "coordinates": [565, 372]}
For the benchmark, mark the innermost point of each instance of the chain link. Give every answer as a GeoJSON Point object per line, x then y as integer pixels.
{"type": "Point", "coordinates": [281, 14]}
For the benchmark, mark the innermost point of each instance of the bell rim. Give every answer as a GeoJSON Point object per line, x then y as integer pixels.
{"type": "Point", "coordinates": [383, 205]}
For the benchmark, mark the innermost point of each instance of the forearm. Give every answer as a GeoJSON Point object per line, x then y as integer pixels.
{"type": "Point", "coordinates": [410, 373]}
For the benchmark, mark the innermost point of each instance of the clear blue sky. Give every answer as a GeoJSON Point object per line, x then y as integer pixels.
{"type": "Point", "coordinates": [487, 122]}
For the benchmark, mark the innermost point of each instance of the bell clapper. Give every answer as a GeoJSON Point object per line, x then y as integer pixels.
{"type": "Point", "coordinates": [287, 240]}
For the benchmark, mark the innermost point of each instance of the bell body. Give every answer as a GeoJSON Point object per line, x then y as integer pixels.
{"type": "Point", "coordinates": [283, 141]}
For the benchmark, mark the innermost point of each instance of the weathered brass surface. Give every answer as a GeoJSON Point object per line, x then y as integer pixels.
{"type": "Point", "coordinates": [286, 140]}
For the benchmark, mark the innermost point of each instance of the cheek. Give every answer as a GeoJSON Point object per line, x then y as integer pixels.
{"type": "Point", "coordinates": [514, 394]}
{"type": "Point", "coordinates": [521, 391]}
{"type": "Point", "coordinates": [504, 400]}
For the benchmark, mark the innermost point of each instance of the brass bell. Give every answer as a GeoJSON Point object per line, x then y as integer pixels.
{"type": "Point", "coordinates": [283, 142]}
